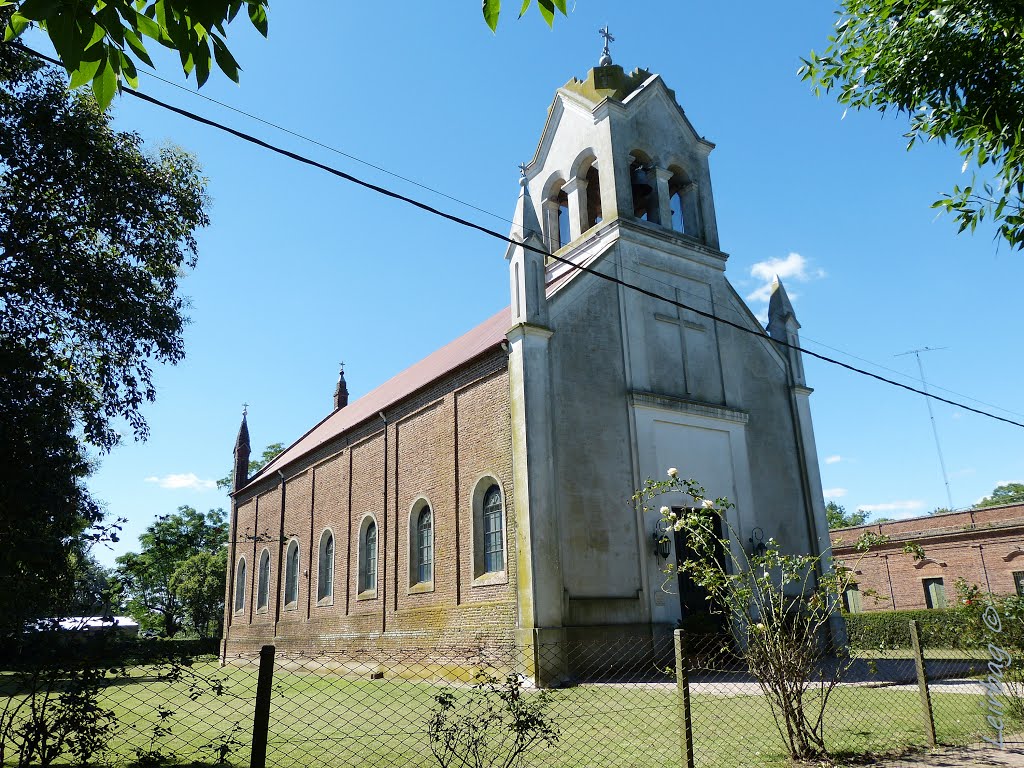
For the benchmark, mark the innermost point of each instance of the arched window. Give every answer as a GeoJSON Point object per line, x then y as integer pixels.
{"type": "Point", "coordinates": [368, 556]}
{"type": "Point", "coordinates": [493, 531]}
{"type": "Point", "coordinates": [642, 186]}
{"type": "Point", "coordinates": [489, 557]}
{"type": "Point", "coordinates": [594, 210]}
{"type": "Point", "coordinates": [291, 575]}
{"type": "Point", "coordinates": [325, 571]}
{"type": "Point", "coordinates": [263, 582]}
{"type": "Point", "coordinates": [684, 200]}
{"type": "Point", "coordinates": [422, 558]}
{"type": "Point", "coordinates": [240, 586]}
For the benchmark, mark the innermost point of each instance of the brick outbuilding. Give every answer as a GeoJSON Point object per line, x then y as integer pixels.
{"type": "Point", "coordinates": [985, 547]}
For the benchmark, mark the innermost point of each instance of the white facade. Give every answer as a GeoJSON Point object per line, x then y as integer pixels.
{"type": "Point", "coordinates": [611, 386]}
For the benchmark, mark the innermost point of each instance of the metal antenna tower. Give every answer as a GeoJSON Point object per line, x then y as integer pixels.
{"type": "Point", "coordinates": [928, 401]}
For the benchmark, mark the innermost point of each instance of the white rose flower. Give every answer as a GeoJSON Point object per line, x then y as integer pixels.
{"type": "Point", "coordinates": [707, 503]}
{"type": "Point", "coordinates": [673, 472]}
{"type": "Point", "coordinates": [680, 524]}
{"type": "Point", "coordinates": [665, 511]}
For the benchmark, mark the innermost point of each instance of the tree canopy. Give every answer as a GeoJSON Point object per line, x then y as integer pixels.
{"type": "Point", "coordinates": [838, 517]}
{"type": "Point", "coordinates": [956, 69]}
{"type": "Point", "coordinates": [177, 579]}
{"type": "Point", "coordinates": [1007, 493]}
{"type": "Point", "coordinates": [93, 235]}
{"type": "Point", "coordinates": [100, 42]}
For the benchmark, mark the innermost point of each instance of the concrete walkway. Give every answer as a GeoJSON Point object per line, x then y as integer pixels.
{"type": "Point", "coordinates": [972, 757]}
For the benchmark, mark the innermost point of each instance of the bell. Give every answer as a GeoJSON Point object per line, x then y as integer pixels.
{"type": "Point", "coordinates": [641, 188]}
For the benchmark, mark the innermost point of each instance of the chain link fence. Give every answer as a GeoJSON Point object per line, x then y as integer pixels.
{"type": "Point", "coordinates": [672, 699]}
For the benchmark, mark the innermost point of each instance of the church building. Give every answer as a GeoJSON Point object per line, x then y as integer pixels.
{"type": "Point", "coordinates": [485, 491]}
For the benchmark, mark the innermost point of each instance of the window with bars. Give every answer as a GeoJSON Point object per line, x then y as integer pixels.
{"type": "Point", "coordinates": [494, 546]}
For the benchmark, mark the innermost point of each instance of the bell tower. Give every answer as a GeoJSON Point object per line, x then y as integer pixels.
{"type": "Point", "coordinates": [616, 145]}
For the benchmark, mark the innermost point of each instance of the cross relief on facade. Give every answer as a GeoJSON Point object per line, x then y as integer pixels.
{"type": "Point", "coordinates": [687, 328]}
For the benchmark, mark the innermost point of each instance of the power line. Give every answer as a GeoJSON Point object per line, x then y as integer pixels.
{"type": "Point", "coordinates": [499, 217]}
{"type": "Point", "coordinates": [506, 239]}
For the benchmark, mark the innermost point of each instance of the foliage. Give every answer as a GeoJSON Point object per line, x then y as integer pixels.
{"type": "Point", "coordinates": [255, 465]}
{"type": "Point", "coordinates": [93, 236]}
{"type": "Point", "coordinates": [1007, 493]}
{"type": "Point", "coordinates": [889, 630]}
{"type": "Point", "coordinates": [173, 581]}
{"type": "Point", "coordinates": [497, 724]}
{"type": "Point", "coordinates": [57, 713]}
{"type": "Point", "coordinates": [954, 67]}
{"type": "Point", "coordinates": [778, 606]}
{"type": "Point", "coordinates": [547, 8]}
{"type": "Point", "coordinates": [100, 42]}
{"type": "Point", "coordinates": [838, 517]}
{"type": "Point", "coordinates": [199, 585]}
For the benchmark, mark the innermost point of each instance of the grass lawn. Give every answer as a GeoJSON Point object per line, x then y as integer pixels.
{"type": "Point", "coordinates": [327, 720]}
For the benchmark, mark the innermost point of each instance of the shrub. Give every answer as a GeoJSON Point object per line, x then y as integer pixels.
{"type": "Point", "coordinates": [890, 630]}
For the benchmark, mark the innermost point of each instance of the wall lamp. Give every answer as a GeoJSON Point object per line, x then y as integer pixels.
{"type": "Point", "coordinates": [757, 547]}
{"type": "Point", "coordinates": [662, 543]}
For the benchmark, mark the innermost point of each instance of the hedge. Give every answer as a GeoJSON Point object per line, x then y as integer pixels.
{"type": "Point", "coordinates": [940, 628]}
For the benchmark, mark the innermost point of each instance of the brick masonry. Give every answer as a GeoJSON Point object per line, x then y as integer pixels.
{"type": "Point", "coordinates": [440, 446]}
{"type": "Point", "coordinates": [983, 546]}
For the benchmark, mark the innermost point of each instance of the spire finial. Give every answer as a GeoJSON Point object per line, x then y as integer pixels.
{"type": "Point", "coordinates": [606, 54]}
{"type": "Point", "coordinates": [522, 174]}
{"type": "Point", "coordinates": [341, 391]}
{"type": "Point", "coordinates": [245, 410]}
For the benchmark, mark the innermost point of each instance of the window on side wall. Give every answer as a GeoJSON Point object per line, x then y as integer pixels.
{"type": "Point", "coordinates": [240, 586]}
{"type": "Point", "coordinates": [325, 571]}
{"type": "Point", "coordinates": [934, 593]}
{"type": "Point", "coordinates": [291, 579]}
{"type": "Point", "coordinates": [1018, 582]}
{"type": "Point", "coordinates": [263, 583]}
{"type": "Point", "coordinates": [368, 558]}
{"type": "Point", "coordinates": [851, 599]}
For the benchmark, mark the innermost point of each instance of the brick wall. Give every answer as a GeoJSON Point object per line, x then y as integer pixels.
{"type": "Point", "coordinates": [440, 446]}
{"type": "Point", "coordinates": [983, 546]}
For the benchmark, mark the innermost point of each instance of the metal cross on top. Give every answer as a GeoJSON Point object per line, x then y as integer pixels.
{"type": "Point", "coordinates": [245, 409]}
{"type": "Point", "coordinates": [522, 169]}
{"type": "Point", "coordinates": [606, 54]}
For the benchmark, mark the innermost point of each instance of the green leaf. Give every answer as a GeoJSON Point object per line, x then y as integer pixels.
{"type": "Point", "coordinates": [225, 60]}
{"type": "Point", "coordinates": [258, 17]}
{"type": "Point", "coordinates": [202, 59]}
{"type": "Point", "coordinates": [137, 47]}
{"type": "Point", "coordinates": [104, 85]}
{"type": "Point", "coordinates": [560, 5]}
{"type": "Point", "coordinates": [148, 27]}
{"type": "Point", "coordinates": [15, 27]}
{"type": "Point", "coordinates": [491, 9]}
{"type": "Point", "coordinates": [87, 69]}
{"type": "Point", "coordinates": [547, 10]}
{"type": "Point", "coordinates": [39, 10]}
{"type": "Point", "coordinates": [129, 72]}
{"type": "Point", "coordinates": [526, 5]}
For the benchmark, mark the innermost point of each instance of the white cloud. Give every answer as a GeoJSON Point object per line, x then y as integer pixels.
{"type": "Point", "coordinates": [911, 505]}
{"type": "Point", "coordinates": [834, 493]}
{"type": "Point", "coordinates": [834, 459]}
{"type": "Point", "coordinates": [187, 480]}
{"type": "Point", "coordinates": [792, 267]}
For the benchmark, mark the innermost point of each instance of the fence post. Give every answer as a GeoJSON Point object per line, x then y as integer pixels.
{"type": "Point", "coordinates": [261, 718]}
{"type": "Point", "coordinates": [683, 687]}
{"type": "Point", "coordinates": [922, 682]}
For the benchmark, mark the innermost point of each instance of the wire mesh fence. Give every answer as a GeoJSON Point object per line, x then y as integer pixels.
{"type": "Point", "coordinates": [664, 699]}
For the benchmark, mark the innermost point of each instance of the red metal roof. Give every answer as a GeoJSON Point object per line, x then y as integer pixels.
{"type": "Point", "coordinates": [488, 334]}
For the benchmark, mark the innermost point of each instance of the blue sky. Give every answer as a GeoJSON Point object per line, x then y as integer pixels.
{"type": "Point", "coordinates": [300, 270]}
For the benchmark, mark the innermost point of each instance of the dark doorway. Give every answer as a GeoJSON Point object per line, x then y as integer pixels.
{"type": "Point", "coordinates": [693, 599]}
